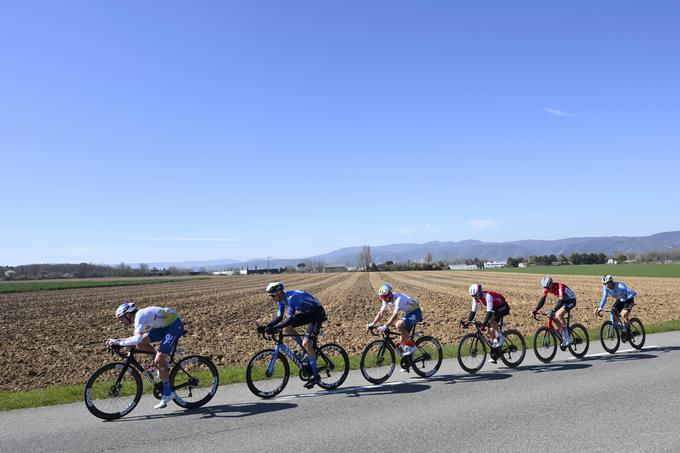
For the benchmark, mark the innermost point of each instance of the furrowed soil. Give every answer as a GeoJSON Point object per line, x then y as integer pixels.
{"type": "Point", "coordinates": [57, 337]}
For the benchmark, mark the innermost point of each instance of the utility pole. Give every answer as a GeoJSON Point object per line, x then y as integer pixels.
{"type": "Point", "coordinates": [268, 264]}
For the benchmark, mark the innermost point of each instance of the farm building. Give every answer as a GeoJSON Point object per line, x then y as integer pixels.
{"type": "Point", "coordinates": [462, 267]}
{"type": "Point", "coordinates": [494, 264]}
{"type": "Point", "coordinates": [335, 268]}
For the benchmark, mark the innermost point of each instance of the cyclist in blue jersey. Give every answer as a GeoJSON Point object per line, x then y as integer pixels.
{"type": "Point", "coordinates": [625, 299]}
{"type": "Point", "coordinates": [303, 308]}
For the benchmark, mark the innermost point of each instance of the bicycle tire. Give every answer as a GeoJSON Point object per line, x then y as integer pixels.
{"type": "Point", "coordinates": [609, 337]}
{"type": "Point", "coordinates": [428, 354]}
{"type": "Point", "coordinates": [257, 378]}
{"type": "Point", "coordinates": [338, 362]}
{"type": "Point", "coordinates": [579, 340]}
{"type": "Point", "coordinates": [380, 355]}
{"type": "Point", "coordinates": [545, 344]}
{"type": "Point", "coordinates": [190, 375]}
{"type": "Point", "coordinates": [637, 333]}
{"type": "Point", "coordinates": [102, 383]}
{"type": "Point", "coordinates": [471, 359]}
{"type": "Point", "coordinates": [513, 349]}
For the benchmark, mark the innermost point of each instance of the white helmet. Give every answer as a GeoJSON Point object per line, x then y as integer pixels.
{"type": "Point", "coordinates": [475, 289]}
{"type": "Point", "coordinates": [274, 287]}
{"type": "Point", "coordinates": [607, 279]}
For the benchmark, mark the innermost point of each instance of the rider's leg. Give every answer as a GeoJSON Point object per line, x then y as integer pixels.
{"type": "Point", "coordinates": [405, 337]}
{"type": "Point", "coordinates": [145, 345]}
{"type": "Point", "coordinates": [624, 317]}
{"type": "Point", "coordinates": [494, 330]}
{"type": "Point", "coordinates": [562, 325]}
{"type": "Point", "coordinates": [289, 330]}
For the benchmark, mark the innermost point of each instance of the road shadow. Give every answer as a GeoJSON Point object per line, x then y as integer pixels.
{"type": "Point", "coordinates": [620, 357]}
{"type": "Point", "coordinates": [222, 410]}
{"type": "Point", "coordinates": [552, 367]}
{"type": "Point", "coordinates": [660, 349]}
{"type": "Point", "coordinates": [463, 378]}
{"type": "Point", "coordinates": [389, 388]}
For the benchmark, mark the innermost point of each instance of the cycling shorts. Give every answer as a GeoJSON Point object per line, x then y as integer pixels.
{"type": "Point", "coordinates": [566, 303]}
{"type": "Point", "coordinates": [501, 312]}
{"type": "Point", "coordinates": [623, 305]}
{"type": "Point", "coordinates": [410, 319]}
{"type": "Point", "coordinates": [314, 318]}
{"type": "Point", "coordinates": [168, 336]}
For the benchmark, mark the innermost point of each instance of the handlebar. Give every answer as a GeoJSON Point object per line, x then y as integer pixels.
{"type": "Point", "coordinates": [374, 331]}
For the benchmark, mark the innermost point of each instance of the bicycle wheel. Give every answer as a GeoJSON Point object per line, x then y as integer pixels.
{"type": "Point", "coordinates": [260, 380]}
{"type": "Point", "coordinates": [609, 337]}
{"type": "Point", "coordinates": [194, 380]}
{"type": "Point", "coordinates": [471, 353]}
{"type": "Point", "coordinates": [333, 366]}
{"type": "Point", "coordinates": [513, 349]}
{"type": "Point", "coordinates": [377, 361]}
{"type": "Point", "coordinates": [637, 334]}
{"type": "Point", "coordinates": [427, 359]}
{"type": "Point", "coordinates": [110, 393]}
{"type": "Point", "coordinates": [545, 344]}
{"type": "Point", "coordinates": [579, 340]}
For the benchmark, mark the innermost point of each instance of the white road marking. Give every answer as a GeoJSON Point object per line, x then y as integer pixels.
{"type": "Point", "coordinates": [606, 353]}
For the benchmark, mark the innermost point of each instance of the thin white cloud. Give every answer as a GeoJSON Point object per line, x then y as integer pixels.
{"type": "Point", "coordinates": [405, 230]}
{"type": "Point", "coordinates": [190, 239]}
{"type": "Point", "coordinates": [556, 112]}
{"type": "Point", "coordinates": [481, 223]}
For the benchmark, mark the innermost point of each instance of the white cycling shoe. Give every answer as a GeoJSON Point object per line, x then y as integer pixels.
{"type": "Point", "coordinates": [408, 350]}
{"type": "Point", "coordinates": [165, 400]}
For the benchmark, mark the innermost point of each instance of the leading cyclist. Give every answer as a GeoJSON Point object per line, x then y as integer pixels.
{"type": "Point", "coordinates": [625, 299]}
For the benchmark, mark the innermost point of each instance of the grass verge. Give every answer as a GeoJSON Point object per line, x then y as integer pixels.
{"type": "Point", "coordinates": [63, 394]}
{"type": "Point", "coordinates": [24, 287]}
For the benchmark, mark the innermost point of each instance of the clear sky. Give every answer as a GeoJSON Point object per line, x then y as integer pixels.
{"type": "Point", "coordinates": [168, 131]}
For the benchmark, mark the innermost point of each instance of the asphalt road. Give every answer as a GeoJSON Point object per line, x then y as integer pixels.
{"type": "Point", "coordinates": [623, 402]}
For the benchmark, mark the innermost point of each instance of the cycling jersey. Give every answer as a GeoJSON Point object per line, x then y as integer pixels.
{"type": "Point", "coordinates": [493, 301]}
{"type": "Point", "coordinates": [402, 302]}
{"type": "Point", "coordinates": [297, 301]}
{"type": "Point", "coordinates": [148, 319]}
{"type": "Point", "coordinates": [562, 291]}
{"type": "Point", "coordinates": [619, 292]}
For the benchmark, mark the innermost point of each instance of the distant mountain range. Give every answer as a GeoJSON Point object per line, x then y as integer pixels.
{"type": "Point", "coordinates": [464, 249]}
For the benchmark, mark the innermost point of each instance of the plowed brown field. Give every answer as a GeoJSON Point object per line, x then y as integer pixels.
{"type": "Point", "coordinates": [56, 337]}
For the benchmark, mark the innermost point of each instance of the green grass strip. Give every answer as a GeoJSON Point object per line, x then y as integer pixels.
{"type": "Point", "coordinates": [617, 270]}
{"type": "Point", "coordinates": [62, 394]}
{"type": "Point", "coordinates": [24, 287]}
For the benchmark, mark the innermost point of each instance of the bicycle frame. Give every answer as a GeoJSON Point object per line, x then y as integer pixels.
{"type": "Point", "coordinates": [281, 347]}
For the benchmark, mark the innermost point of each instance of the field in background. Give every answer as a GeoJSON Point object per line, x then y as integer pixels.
{"type": "Point", "coordinates": [57, 337]}
{"type": "Point", "coordinates": [50, 285]}
{"type": "Point", "coordinates": [617, 270]}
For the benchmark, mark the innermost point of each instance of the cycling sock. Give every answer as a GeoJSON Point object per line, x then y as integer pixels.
{"type": "Point", "coordinates": [312, 363]}
{"type": "Point", "coordinates": [167, 390]}
{"type": "Point", "coordinates": [409, 343]}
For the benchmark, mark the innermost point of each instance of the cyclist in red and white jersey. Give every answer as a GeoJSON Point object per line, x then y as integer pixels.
{"type": "Point", "coordinates": [566, 300]}
{"type": "Point", "coordinates": [496, 309]}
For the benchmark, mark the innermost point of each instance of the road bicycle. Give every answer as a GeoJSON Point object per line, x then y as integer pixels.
{"type": "Point", "coordinates": [472, 349]}
{"type": "Point", "coordinates": [612, 334]}
{"type": "Point", "coordinates": [268, 371]}
{"type": "Point", "coordinates": [378, 358]}
{"type": "Point", "coordinates": [114, 389]}
{"type": "Point", "coordinates": [548, 338]}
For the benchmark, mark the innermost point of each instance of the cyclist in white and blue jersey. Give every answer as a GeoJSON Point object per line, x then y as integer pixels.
{"type": "Point", "coordinates": [410, 308]}
{"type": "Point", "coordinates": [625, 299]}
{"type": "Point", "coordinates": [303, 308]}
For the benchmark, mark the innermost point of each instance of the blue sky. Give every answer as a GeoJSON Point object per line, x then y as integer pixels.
{"type": "Point", "coordinates": [169, 131]}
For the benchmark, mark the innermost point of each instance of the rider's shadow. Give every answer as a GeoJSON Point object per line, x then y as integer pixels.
{"type": "Point", "coordinates": [622, 357]}
{"type": "Point", "coordinates": [552, 367]}
{"type": "Point", "coordinates": [221, 410]}
{"type": "Point", "coordinates": [463, 378]}
{"type": "Point", "coordinates": [382, 389]}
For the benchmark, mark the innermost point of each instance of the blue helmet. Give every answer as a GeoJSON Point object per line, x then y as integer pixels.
{"type": "Point", "coordinates": [385, 289]}
{"type": "Point", "coordinates": [547, 281]}
{"type": "Point", "coordinates": [125, 308]}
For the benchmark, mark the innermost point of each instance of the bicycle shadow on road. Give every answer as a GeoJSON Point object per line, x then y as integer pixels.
{"type": "Point", "coordinates": [464, 378]}
{"type": "Point", "coordinates": [621, 357]}
{"type": "Point", "coordinates": [551, 367]}
{"type": "Point", "coordinates": [389, 388]}
{"type": "Point", "coordinates": [222, 410]}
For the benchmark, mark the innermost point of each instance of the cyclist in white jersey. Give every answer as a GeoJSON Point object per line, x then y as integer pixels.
{"type": "Point", "coordinates": [152, 324]}
{"type": "Point", "coordinates": [401, 302]}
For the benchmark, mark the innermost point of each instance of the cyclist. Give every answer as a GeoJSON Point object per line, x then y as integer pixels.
{"type": "Point", "coordinates": [496, 309]}
{"type": "Point", "coordinates": [625, 299]}
{"type": "Point", "coordinates": [566, 300]}
{"type": "Point", "coordinates": [412, 315]}
{"type": "Point", "coordinates": [152, 324]}
{"type": "Point", "coordinates": [303, 308]}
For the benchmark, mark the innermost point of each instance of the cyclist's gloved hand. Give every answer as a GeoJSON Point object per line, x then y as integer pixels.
{"type": "Point", "coordinates": [370, 325]}
{"type": "Point", "coordinates": [111, 342]}
{"type": "Point", "coordinates": [465, 324]}
{"type": "Point", "coordinates": [269, 329]}
{"type": "Point", "coordinates": [534, 313]}
{"type": "Point", "coordinates": [382, 329]}
{"type": "Point", "coordinates": [261, 329]}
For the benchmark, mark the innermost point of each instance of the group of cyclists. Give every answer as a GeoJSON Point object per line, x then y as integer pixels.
{"type": "Point", "coordinates": [158, 324]}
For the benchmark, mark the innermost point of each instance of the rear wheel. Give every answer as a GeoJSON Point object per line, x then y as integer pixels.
{"type": "Point", "coordinates": [427, 358]}
{"type": "Point", "coordinates": [471, 353]}
{"type": "Point", "coordinates": [579, 340]}
{"type": "Point", "coordinates": [513, 349]}
{"type": "Point", "coordinates": [333, 366]}
{"type": "Point", "coordinates": [264, 378]}
{"type": "Point", "coordinates": [609, 337]}
{"type": "Point", "coordinates": [194, 380]}
{"type": "Point", "coordinates": [636, 332]}
{"type": "Point", "coordinates": [545, 344]}
{"type": "Point", "coordinates": [110, 393]}
{"type": "Point", "coordinates": [377, 362]}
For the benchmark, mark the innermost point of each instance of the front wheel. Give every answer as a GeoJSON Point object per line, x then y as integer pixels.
{"type": "Point", "coordinates": [545, 344]}
{"type": "Point", "coordinates": [636, 332]}
{"type": "Point", "coordinates": [427, 358]}
{"type": "Point", "coordinates": [267, 375]}
{"type": "Point", "coordinates": [471, 353]}
{"type": "Point", "coordinates": [194, 380]}
{"type": "Point", "coordinates": [113, 391]}
{"type": "Point", "coordinates": [609, 337]}
{"type": "Point", "coordinates": [579, 340]}
{"type": "Point", "coordinates": [513, 349]}
{"type": "Point", "coordinates": [377, 361]}
{"type": "Point", "coordinates": [333, 366]}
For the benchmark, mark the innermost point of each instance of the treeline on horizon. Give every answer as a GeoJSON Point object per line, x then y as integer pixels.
{"type": "Point", "coordinates": [85, 270]}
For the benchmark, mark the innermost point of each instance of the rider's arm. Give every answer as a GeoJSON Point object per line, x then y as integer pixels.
{"type": "Point", "coordinates": [473, 310]}
{"type": "Point", "coordinates": [279, 315]}
{"type": "Point", "coordinates": [489, 309]}
{"type": "Point", "coordinates": [133, 340]}
{"type": "Point", "coordinates": [541, 300]}
{"type": "Point", "coordinates": [379, 315]}
{"type": "Point", "coordinates": [605, 292]}
{"type": "Point", "coordinates": [631, 293]}
{"type": "Point", "coordinates": [395, 313]}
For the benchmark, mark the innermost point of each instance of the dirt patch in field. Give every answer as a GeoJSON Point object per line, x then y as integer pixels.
{"type": "Point", "coordinates": [57, 337]}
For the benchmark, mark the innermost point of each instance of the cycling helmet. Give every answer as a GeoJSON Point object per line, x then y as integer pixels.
{"type": "Point", "coordinates": [547, 281]}
{"type": "Point", "coordinates": [607, 279]}
{"type": "Point", "coordinates": [385, 289]}
{"type": "Point", "coordinates": [125, 308]}
{"type": "Point", "coordinates": [274, 287]}
{"type": "Point", "coordinates": [475, 289]}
